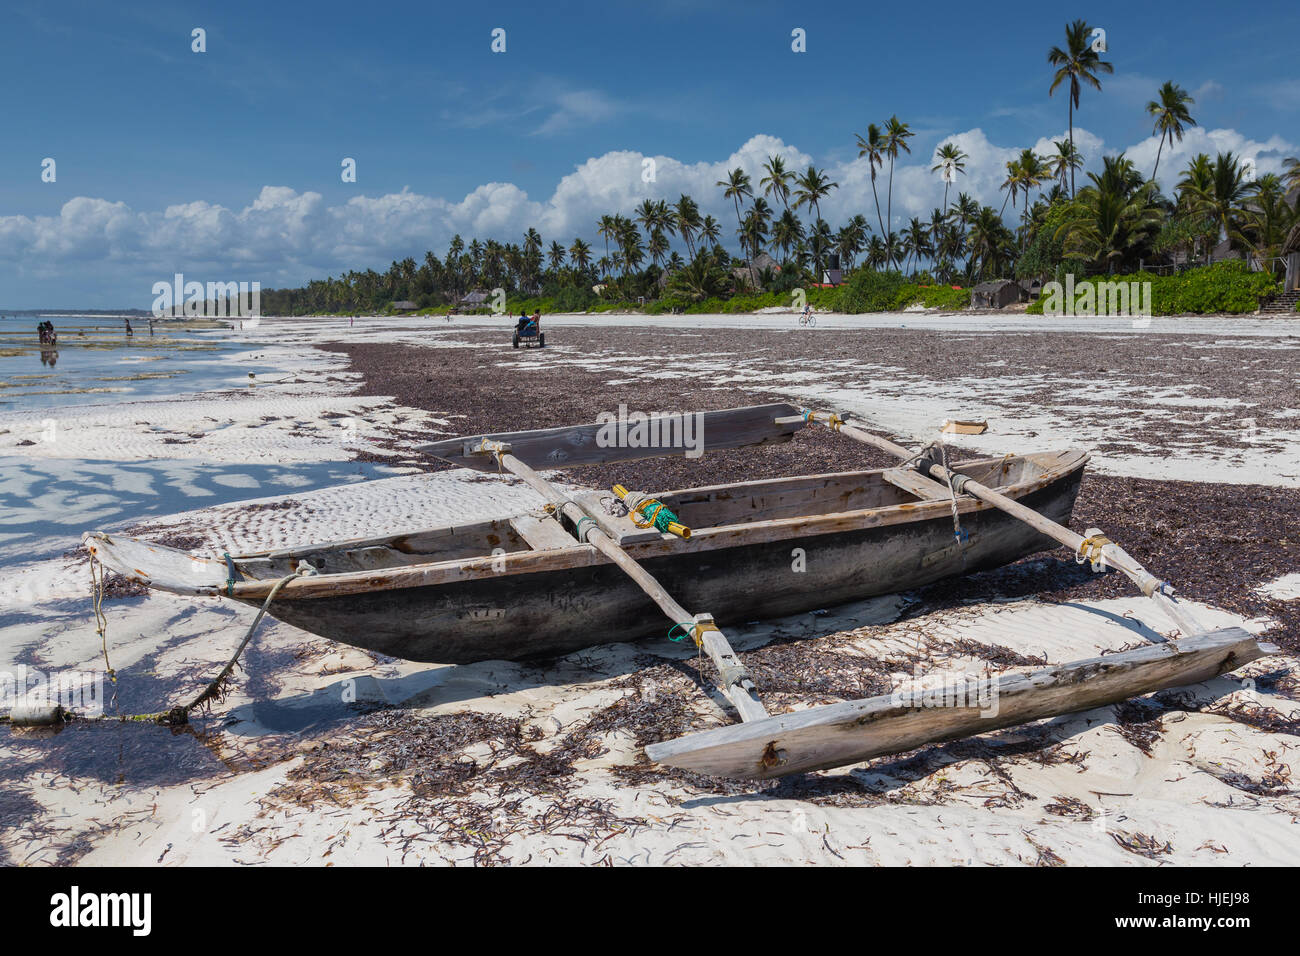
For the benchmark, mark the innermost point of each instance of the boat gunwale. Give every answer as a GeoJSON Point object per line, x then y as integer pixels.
{"type": "Point", "coordinates": [703, 539]}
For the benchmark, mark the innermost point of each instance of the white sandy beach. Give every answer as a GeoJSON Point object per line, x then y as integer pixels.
{"type": "Point", "coordinates": [1189, 786]}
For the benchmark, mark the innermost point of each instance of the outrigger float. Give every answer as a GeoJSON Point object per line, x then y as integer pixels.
{"type": "Point", "coordinates": [592, 568]}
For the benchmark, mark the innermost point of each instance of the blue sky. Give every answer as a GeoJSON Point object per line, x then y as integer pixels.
{"type": "Point", "coordinates": [164, 156]}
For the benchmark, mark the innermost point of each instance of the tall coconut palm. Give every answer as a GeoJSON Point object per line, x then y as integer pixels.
{"type": "Point", "coordinates": [1078, 63]}
{"type": "Point", "coordinates": [1267, 219]}
{"type": "Point", "coordinates": [778, 179]}
{"type": "Point", "coordinates": [1011, 185]}
{"type": "Point", "coordinates": [1064, 161]}
{"type": "Point", "coordinates": [876, 252]}
{"type": "Point", "coordinates": [761, 214]}
{"type": "Point", "coordinates": [786, 231]}
{"type": "Point", "coordinates": [896, 136]}
{"type": "Point", "coordinates": [608, 229]}
{"type": "Point", "coordinates": [990, 243]}
{"type": "Point", "coordinates": [657, 247]}
{"type": "Point", "coordinates": [710, 231]}
{"type": "Point", "coordinates": [916, 241]}
{"type": "Point", "coordinates": [1111, 224]}
{"type": "Point", "coordinates": [1292, 175]}
{"type": "Point", "coordinates": [873, 148]}
{"type": "Point", "coordinates": [736, 187]}
{"type": "Point", "coordinates": [556, 256]}
{"type": "Point", "coordinates": [851, 238]}
{"type": "Point", "coordinates": [686, 217]}
{"type": "Point", "coordinates": [1171, 116]}
{"type": "Point", "coordinates": [812, 186]}
{"type": "Point", "coordinates": [580, 255]}
{"type": "Point", "coordinates": [1221, 195]}
{"type": "Point", "coordinates": [949, 160]}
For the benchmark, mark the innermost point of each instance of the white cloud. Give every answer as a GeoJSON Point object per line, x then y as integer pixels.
{"type": "Point", "coordinates": [284, 237]}
{"type": "Point", "coordinates": [577, 108]}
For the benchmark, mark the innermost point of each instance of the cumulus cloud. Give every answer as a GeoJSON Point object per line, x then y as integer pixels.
{"type": "Point", "coordinates": [285, 237]}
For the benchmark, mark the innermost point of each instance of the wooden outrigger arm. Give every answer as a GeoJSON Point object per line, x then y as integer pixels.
{"type": "Point", "coordinates": [733, 678]}
{"type": "Point", "coordinates": [1094, 547]}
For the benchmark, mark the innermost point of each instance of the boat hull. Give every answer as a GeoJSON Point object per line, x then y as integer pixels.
{"type": "Point", "coordinates": [553, 612]}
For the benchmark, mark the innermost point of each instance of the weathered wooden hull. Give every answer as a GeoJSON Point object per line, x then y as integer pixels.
{"type": "Point", "coordinates": [551, 612]}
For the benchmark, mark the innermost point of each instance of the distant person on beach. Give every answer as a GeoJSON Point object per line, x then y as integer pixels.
{"type": "Point", "coordinates": [129, 330]}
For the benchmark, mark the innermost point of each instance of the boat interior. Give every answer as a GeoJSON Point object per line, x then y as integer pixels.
{"type": "Point", "coordinates": [702, 509]}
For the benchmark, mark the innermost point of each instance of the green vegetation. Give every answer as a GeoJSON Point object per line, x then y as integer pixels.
{"type": "Point", "coordinates": [1222, 287]}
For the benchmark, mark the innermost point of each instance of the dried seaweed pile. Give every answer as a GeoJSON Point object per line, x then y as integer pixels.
{"type": "Point", "coordinates": [479, 781]}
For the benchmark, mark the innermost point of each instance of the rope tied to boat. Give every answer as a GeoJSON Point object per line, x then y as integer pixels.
{"type": "Point", "coordinates": [215, 690]}
{"type": "Point", "coordinates": [693, 629]}
{"type": "Point", "coordinates": [647, 512]}
{"type": "Point", "coordinates": [217, 686]}
{"type": "Point", "coordinates": [584, 527]}
{"type": "Point", "coordinates": [958, 532]}
{"type": "Point", "coordinates": [829, 419]}
{"type": "Point", "coordinates": [1091, 550]}
{"type": "Point", "coordinates": [101, 621]}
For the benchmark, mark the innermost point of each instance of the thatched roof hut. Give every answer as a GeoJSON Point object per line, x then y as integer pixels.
{"type": "Point", "coordinates": [997, 294]}
{"type": "Point", "coordinates": [404, 306]}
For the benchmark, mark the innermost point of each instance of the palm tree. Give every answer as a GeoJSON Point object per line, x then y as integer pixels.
{"type": "Point", "coordinates": [686, 218]}
{"type": "Point", "coordinates": [951, 160]}
{"type": "Point", "coordinates": [1267, 219]}
{"type": "Point", "coordinates": [580, 254]}
{"type": "Point", "coordinates": [916, 241]}
{"type": "Point", "coordinates": [1292, 166]}
{"type": "Point", "coordinates": [990, 243]}
{"type": "Point", "coordinates": [777, 180]}
{"type": "Point", "coordinates": [710, 231]}
{"type": "Point", "coordinates": [1171, 116]}
{"type": "Point", "coordinates": [1079, 63]}
{"type": "Point", "coordinates": [896, 136]}
{"type": "Point", "coordinates": [1217, 190]}
{"type": "Point", "coordinates": [786, 231]}
{"type": "Point", "coordinates": [556, 256]}
{"type": "Point", "coordinates": [608, 229]}
{"type": "Point", "coordinates": [658, 247]}
{"type": "Point", "coordinates": [851, 238]}
{"type": "Point", "coordinates": [1111, 222]}
{"type": "Point", "coordinates": [1011, 184]}
{"type": "Point", "coordinates": [1033, 171]}
{"type": "Point", "coordinates": [873, 147]}
{"type": "Point", "coordinates": [876, 252]}
{"type": "Point", "coordinates": [736, 187]}
{"type": "Point", "coordinates": [811, 187]}
{"type": "Point", "coordinates": [1064, 161]}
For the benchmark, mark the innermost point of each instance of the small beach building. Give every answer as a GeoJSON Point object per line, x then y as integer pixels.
{"type": "Point", "coordinates": [997, 294]}
{"type": "Point", "coordinates": [473, 300]}
{"type": "Point", "coordinates": [405, 306]}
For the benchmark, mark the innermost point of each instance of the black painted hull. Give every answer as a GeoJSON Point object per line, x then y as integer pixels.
{"type": "Point", "coordinates": [547, 613]}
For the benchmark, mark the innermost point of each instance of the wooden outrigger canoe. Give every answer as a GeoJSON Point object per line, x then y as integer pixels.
{"type": "Point", "coordinates": [579, 573]}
